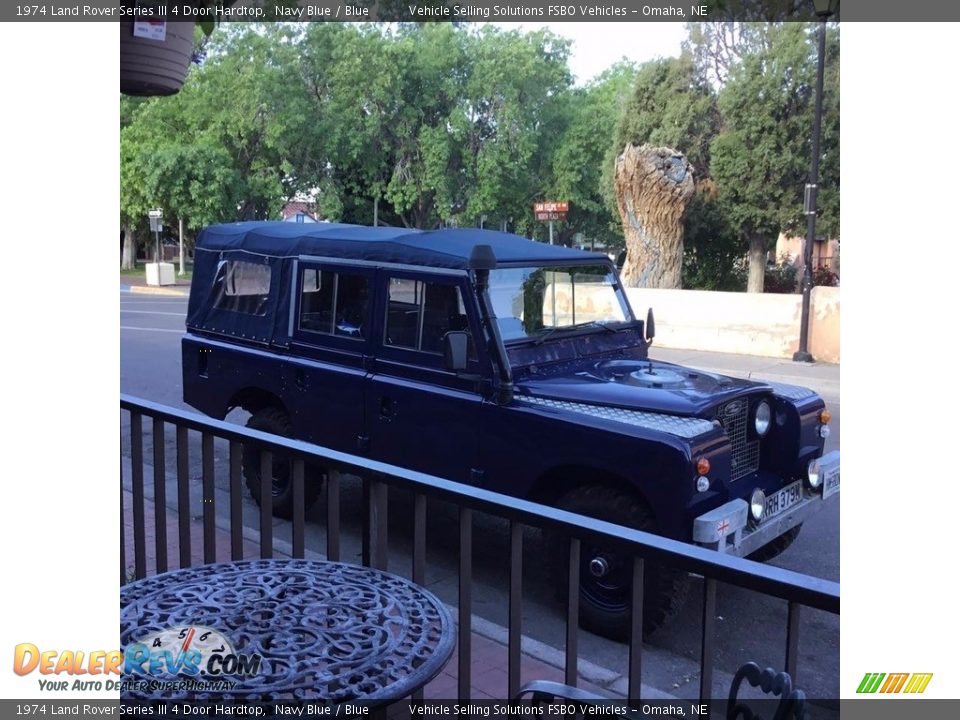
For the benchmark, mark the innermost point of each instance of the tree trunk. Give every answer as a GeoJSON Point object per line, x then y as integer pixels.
{"type": "Point", "coordinates": [653, 186]}
{"type": "Point", "coordinates": [757, 266]}
{"type": "Point", "coordinates": [128, 260]}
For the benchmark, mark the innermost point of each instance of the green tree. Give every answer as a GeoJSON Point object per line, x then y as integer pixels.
{"type": "Point", "coordinates": [589, 118]}
{"type": "Point", "coordinates": [760, 160]}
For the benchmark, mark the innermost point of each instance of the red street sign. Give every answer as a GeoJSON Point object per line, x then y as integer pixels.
{"type": "Point", "coordinates": [551, 210]}
{"type": "Point", "coordinates": [552, 206]}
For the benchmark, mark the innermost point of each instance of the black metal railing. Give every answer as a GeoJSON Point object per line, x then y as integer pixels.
{"type": "Point", "coordinates": [796, 589]}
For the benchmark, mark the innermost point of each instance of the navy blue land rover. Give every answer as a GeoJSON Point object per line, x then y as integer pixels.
{"type": "Point", "coordinates": [489, 359]}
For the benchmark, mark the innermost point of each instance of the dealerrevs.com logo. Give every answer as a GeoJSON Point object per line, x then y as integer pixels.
{"type": "Point", "coordinates": [887, 683]}
{"type": "Point", "coordinates": [183, 658]}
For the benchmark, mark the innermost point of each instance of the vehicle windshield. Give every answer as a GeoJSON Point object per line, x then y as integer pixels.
{"type": "Point", "coordinates": [534, 302]}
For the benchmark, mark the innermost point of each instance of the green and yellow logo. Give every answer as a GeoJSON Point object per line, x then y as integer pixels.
{"type": "Point", "coordinates": [894, 682]}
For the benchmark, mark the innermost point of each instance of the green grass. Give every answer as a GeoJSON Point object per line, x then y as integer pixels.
{"type": "Point", "coordinates": [140, 271]}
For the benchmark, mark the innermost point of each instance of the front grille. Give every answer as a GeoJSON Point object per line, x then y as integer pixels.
{"type": "Point", "coordinates": [735, 419]}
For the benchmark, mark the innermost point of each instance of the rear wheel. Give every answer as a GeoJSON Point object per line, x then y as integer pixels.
{"type": "Point", "coordinates": [606, 576]}
{"type": "Point", "coordinates": [776, 546]}
{"type": "Point", "coordinates": [276, 422]}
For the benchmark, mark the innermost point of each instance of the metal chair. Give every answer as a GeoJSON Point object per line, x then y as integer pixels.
{"type": "Point", "coordinates": [547, 691]}
{"type": "Point", "coordinates": [792, 705]}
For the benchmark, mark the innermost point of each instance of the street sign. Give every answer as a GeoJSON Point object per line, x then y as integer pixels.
{"type": "Point", "coordinates": [156, 218]}
{"type": "Point", "coordinates": [551, 210]}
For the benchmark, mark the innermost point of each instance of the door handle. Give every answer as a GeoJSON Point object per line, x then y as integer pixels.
{"type": "Point", "coordinates": [388, 408]}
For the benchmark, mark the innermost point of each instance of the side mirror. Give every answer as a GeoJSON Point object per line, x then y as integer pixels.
{"type": "Point", "coordinates": [455, 350]}
{"type": "Point", "coordinates": [650, 328]}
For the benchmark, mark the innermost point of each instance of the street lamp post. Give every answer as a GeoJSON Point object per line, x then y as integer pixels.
{"type": "Point", "coordinates": [824, 9]}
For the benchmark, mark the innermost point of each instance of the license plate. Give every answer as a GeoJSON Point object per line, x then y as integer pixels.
{"type": "Point", "coordinates": [831, 482]}
{"type": "Point", "coordinates": [782, 500]}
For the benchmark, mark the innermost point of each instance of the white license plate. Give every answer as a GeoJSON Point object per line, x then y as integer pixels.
{"type": "Point", "coordinates": [831, 482]}
{"type": "Point", "coordinates": [782, 500]}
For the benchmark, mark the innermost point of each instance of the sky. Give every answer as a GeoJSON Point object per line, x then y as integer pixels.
{"type": "Point", "coordinates": [598, 45]}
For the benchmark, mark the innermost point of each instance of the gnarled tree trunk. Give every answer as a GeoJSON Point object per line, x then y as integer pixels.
{"type": "Point", "coordinates": [653, 186]}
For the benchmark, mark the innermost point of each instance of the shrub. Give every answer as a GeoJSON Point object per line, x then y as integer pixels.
{"type": "Point", "coordinates": [781, 278]}
{"type": "Point", "coordinates": [825, 276]}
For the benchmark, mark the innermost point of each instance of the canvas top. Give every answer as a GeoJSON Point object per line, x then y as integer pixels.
{"type": "Point", "coordinates": [446, 248]}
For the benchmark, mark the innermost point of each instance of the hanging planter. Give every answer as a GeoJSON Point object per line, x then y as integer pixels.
{"type": "Point", "coordinates": [154, 57]}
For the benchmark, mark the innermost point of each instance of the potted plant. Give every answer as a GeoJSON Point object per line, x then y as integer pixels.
{"type": "Point", "coordinates": [155, 55]}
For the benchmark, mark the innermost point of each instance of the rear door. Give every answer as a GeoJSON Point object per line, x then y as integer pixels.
{"type": "Point", "coordinates": [418, 414]}
{"type": "Point", "coordinates": [330, 329]}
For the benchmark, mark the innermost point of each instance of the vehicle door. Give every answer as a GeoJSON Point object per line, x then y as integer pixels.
{"type": "Point", "coordinates": [420, 415]}
{"type": "Point", "coordinates": [330, 329]}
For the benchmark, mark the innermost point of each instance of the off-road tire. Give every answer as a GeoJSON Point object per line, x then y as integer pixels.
{"type": "Point", "coordinates": [276, 422]}
{"type": "Point", "coordinates": [775, 546]}
{"type": "Point", "coordinates": [606, 611]}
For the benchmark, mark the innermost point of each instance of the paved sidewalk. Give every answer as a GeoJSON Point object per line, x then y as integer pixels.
{"type": "Point", "coordinates": [822, 377]}
{"type": "Point", "coordinates": [138, 284]}
{"type": "Point", "coordinates": [488, 668]}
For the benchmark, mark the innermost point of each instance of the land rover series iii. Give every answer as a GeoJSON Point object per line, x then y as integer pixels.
{"type": "Point", "coordinates": [504, 363]}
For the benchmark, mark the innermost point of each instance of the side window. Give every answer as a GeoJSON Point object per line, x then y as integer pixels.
{"type": "Point", "coordinates": [242, 287]}
{"type": "Point", "coordinates": [333, 303]}
{"type": "Point", "coordinates": [420, 313]}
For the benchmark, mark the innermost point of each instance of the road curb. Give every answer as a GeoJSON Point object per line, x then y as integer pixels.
{"type": "Point", "coordinates": [143, 290]}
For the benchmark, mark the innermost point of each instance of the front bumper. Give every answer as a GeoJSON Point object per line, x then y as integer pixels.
{"type": "Point", "coordinates": [729, 528]}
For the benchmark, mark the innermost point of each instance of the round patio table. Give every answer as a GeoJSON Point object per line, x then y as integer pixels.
{"type": "Point", "coordinates": [323, 631]}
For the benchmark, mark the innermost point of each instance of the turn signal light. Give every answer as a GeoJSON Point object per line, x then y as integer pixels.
{"type": "Point", "coordinates": [825, 416]}
{"type": "Point", "coordinates": [703, 466]}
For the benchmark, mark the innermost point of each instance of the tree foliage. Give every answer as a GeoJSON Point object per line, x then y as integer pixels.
{"type": "Point", "coordinates": [448, 124]}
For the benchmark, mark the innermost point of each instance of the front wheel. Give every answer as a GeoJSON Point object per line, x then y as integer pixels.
{"type": "Point", "coordinates": [606, 576]}
{"type": "Point", "coordinates": [275, 421]}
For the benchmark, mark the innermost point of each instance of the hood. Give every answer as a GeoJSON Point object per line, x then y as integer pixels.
{"type": "Point", "coordinates": [638, 385]}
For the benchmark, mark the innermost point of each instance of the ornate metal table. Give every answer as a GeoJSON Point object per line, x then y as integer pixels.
{"type": "Point", "coordinates": [322, 631]}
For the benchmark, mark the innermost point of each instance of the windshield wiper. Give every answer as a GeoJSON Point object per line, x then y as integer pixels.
{"type": "Point", "coordinates": [544, 336]}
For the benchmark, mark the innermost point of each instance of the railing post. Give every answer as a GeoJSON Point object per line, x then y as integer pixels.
{"type": "Point", "coordinates": [209, 509]}
{"type": "Point", "coordinates": [296, 532]}
{"type": "Point", "coordinates": [465, 601]}
{"type": "Point", "coordinates": [183, 496]}
{"type": "Point", "coordinates": [266, 503]}
{"type": "Point", "coordinates": [123, 525]}
{"type": "Point", "coordinates": [636, 634]}
{"type": "Point", "coordinates": [159, 495]}
{"type": "Point", "coordinates": [516, 608]}
{"type": "Point", "coordinates": [793, 639]}
{"type": "Point", "coordinates": [573, 612]}
{"type": "Point", "coordinates": [707, 639]}
{"type": "Point", "coordinates": [333, 515]}
{"type": "Point", "coordinates": [236, 502]}
{"type": "Point", "coordinates": [378, 525]}
{"type": "Point", "coordinates": [136, 468]}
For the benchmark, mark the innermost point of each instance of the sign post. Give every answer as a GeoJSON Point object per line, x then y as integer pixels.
{"type": "Point", "coordinates": [158, 272]}
{"type": "Point", "coordinates": [156, 225]}
{"type": "Point", "coordinates": [549, 211]}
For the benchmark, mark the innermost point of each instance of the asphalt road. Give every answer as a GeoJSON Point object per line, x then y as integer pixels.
{"type": "Point", "coordinates": [749, 626]}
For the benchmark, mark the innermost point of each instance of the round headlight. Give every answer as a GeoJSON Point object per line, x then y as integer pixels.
{"type": "Point", "coordinates": [761, 420]}
{"type": "Point", "coordinates": [757, 501]}
{"type": "Point", "coordinates": [813, 473]}
{"type": "Point", "coordinates": [703, 483]}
